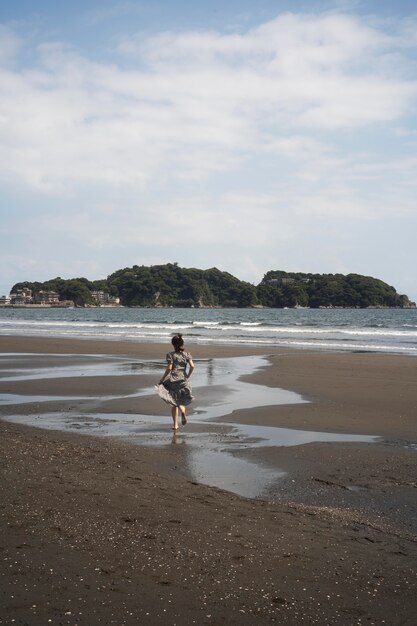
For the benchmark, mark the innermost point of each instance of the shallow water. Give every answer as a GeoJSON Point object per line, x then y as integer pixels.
{"type": "Point", "coordinates": [20, 366]}
{"type": "Point", "coordinates": [209, 444]}
{"type": "Point", "coordinates": [219, 375]}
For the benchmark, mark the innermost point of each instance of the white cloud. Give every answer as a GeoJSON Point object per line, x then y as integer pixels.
{"type": "Point", "coordinates": [198, 103]}
{"type": "Point", "coordinates": [246, 151]}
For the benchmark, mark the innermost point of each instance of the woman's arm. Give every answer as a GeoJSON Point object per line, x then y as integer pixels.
{"type": "Point", "coordinates": [165, 374]}
{"type": "Point", "coordinates": [191, 367]}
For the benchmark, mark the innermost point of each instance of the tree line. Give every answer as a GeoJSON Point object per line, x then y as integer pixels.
{"type": "Point", "coordinates": [170, 285]}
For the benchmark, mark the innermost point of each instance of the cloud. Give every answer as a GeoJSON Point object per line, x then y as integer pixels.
{"type": "Point", "coordinates": [275, 146]}
{"type": "Point", "coordinates": [196, 104]}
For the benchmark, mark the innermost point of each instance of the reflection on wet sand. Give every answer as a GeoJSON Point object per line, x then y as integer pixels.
{"type": "Point", "coordinates": [210, 445]}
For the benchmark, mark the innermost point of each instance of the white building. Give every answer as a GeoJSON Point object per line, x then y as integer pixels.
{"type": "Point", "coordinates": [46, 297]}
{"type": "Point", "coordinates": [22, 296]}
{"type": "Point", "coordinates": [103, 298]}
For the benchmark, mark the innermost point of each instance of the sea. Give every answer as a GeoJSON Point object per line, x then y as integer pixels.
{"type": "Point", "coordinates": [370, 330]}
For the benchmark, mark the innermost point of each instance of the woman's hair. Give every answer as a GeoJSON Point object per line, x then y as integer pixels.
{"type": "Point", "coordinates": [178, 342]}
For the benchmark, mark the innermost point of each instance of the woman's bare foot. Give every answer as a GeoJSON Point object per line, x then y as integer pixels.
{"type": "Point", "coordinates": [183, 418]}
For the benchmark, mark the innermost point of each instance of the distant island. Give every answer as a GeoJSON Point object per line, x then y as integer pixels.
{"type": "Point", "coordinates": [172, 286]}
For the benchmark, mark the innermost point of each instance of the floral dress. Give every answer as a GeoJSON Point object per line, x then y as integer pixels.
{"type": "Point", "coordinates": [176, 390]}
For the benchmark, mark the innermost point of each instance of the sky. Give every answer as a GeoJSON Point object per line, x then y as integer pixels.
{"type": "Point", "coordinates": [239, 135]}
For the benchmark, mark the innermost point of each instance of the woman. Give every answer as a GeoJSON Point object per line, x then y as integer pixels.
{"type": "Point", "coordinates": [173, 387]}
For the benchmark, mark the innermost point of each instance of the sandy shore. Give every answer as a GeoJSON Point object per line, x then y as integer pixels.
{"type": "Point", "coordinates": [97, 531]}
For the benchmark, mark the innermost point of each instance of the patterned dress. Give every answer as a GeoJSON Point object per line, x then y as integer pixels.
{"type": "Point", "coordinates": [176, 390]}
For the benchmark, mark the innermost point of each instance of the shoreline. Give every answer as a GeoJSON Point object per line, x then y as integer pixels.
{"type": "Point", "coordinates": [119, 526]}
{"type": "Point", "coordinates": [134, 348]}
{"type": "Point", "coordinates": [339, 331]}
{"type": "Point", "coordinates": [363, 393]}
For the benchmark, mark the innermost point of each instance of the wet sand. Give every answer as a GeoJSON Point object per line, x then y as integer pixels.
{"type": "Point", "coordinates": [350, 392]}
{"type": "Point", "coordinates": [98, 531]}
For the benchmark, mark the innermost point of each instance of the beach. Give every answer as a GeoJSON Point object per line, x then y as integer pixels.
{"type": "Point", "coordinates": [99, 531]}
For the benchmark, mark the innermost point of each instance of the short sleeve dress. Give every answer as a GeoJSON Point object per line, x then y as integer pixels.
{"type": "Point", "coordinates": [176, 390]}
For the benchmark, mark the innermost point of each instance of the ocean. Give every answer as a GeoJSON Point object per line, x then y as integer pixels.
{"type": "Point", "coordinates": [374, 330]}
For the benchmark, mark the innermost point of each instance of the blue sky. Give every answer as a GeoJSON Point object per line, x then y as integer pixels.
{"type": "Point", "coordinates": [280, 135]}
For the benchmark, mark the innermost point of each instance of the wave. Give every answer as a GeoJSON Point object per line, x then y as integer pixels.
{"type": "Point", "coordinates": [388, 331]}
{"type": "Point", "coordinates": [214, 327]}
{"type": "Point", "coordinates": [322, 345]}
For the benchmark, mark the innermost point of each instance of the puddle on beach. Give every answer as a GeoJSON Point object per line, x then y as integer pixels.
{"type": "Point", "coordinates": [216, 383]}
{"type": "Point", "coordinates": [20, 366]}
{"type": "Point", "coordinates": [209, 445]}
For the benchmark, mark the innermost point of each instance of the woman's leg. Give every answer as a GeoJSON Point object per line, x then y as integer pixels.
{"type": "Point", "coordinates": [183, 415]}
{"type": "Point", "coordinates": [174, 413]}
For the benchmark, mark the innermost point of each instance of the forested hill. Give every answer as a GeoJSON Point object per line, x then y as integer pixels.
{"type": "Point", "coordinates": [280, 288]}
{"type": "Point", "coordinates": [171, 285]}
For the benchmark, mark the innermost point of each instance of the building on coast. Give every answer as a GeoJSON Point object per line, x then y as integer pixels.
{"type": "Point", "coordinates": [42, 298]}
{"type": "Point", "coordinates": [46, 297]}
{"type": "Point", "coordinates": [103, 298]}
{"type": "Point", "coordinates": [22, 296]}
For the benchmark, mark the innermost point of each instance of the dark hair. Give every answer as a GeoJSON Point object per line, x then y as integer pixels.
{"type": "Point", "coordinates": [178, 342]}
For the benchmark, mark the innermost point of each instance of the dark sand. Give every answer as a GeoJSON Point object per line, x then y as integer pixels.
{"type": "Point", "coordinates": [99, 532]}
